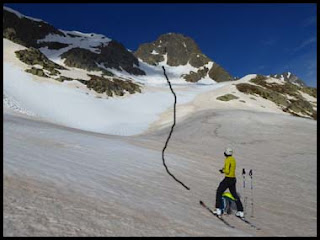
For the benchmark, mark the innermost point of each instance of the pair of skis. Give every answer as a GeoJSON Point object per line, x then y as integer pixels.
{"type": "Point", "coordinates": [219, 217]}
{"type": "Point", "coordinates": [224, 221]}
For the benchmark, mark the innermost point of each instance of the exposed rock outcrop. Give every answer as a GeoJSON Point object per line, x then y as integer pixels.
{"type": "Point", "coordinates": [286, 95]}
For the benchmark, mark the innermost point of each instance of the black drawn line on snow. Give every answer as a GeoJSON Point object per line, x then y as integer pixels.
{"type": "Point", "coordinates": [174, 123]}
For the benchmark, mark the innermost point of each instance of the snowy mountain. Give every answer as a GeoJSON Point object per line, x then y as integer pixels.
{"type": "Point", "coordinates": [175, 50]}
{"type": "Point", "coordinates": [93, 52]}
{"type": "Point", "coordinates": [124, 92]}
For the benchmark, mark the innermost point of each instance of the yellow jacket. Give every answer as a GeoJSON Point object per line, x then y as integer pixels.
{"type": "Point", "coordinates": [229, 168]}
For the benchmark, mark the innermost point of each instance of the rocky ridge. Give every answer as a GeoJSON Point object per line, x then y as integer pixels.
{"type": "Point", "coordinates": [41, 35]}
{"type": "Point", "coordinates": [289, 77]}
{"type": "Point", "coordinates": [289, 97]}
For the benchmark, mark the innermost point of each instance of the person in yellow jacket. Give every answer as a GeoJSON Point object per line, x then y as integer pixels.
{"type": "Point", "coordinates": [229, 181]}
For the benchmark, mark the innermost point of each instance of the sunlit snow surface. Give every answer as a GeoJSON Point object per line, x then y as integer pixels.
{"type": "Point", "coordinates": [66, 182]}
{"type": "Point", "coordinates": [74, 108]}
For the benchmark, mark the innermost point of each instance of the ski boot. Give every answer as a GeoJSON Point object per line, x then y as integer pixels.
{"type": "Point", "coordinates": [217, 212]}
{"type": "Point", "coordinates": [240, 214]}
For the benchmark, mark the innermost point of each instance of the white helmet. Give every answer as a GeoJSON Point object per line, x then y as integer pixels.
{"type": "Point", "coordinates": [228, 151]}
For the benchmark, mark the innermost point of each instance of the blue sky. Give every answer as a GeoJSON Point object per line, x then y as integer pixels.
{"type": "Point", "coordinates": [243, 38]}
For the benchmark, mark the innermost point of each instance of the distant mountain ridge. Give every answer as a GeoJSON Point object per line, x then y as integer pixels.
{"type": "Point", "coordinates": [289, 77]}
{"type": "Point", "coordinates": [96, 52]}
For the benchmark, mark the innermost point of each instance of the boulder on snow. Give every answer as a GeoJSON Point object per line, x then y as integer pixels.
{"type": "Point", "coordinates": [227, 97]}
{"type": "Point", "coordinates": [112, 86]}
{"type": "Point", "coordinates": [33, 56]}
{"type": "Point", "coordinates": [37, 71]}
{"type": "Point", "coordinates": [196, 76]}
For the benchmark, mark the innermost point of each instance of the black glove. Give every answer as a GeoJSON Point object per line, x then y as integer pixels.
{"type": "Point", "coordinates": [221, 170]}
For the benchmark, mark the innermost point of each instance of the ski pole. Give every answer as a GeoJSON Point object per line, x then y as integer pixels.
{"type": "Point", "coordinates": [244, 190]}
{"type": "Point", "coordinates": [250, 174]}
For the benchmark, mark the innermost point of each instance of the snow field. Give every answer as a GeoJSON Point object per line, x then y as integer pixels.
{"type": "Point", "coordinates": [128, 186]}
{"type": "Point", "coordinates": [77, 183]}
{"type": "Point", "coordinates": [71, 104]}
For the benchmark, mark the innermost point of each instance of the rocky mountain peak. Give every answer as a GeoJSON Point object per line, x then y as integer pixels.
{"type": "Point", "coordinates": [289, 77]}
{"type": "Point", "coordinates": [176, 49]}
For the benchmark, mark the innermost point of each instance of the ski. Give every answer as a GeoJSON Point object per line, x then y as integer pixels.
{"type": "Point", "coordinates": [251, 224]}
{"type": "Point", "coordinates": [220, 218]}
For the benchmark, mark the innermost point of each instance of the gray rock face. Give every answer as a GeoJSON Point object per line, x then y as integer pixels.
{"type": "Point", "coordinates": [181, 50]}
{"type": "Point", "coordinates": [219, 74]}
{"type": "Point", "coordinates": [145, 53]}
{"type": "Point", "coordinates": [114, 55]}
{"type": "Point", "coordinates": [33, 56]}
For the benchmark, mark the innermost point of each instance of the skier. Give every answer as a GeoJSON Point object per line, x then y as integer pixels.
{"type": "Point", "coordinates": [229, 181]}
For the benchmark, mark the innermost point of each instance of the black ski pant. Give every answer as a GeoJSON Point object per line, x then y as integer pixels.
{"type": "Point", "coordinates": [231, 184]}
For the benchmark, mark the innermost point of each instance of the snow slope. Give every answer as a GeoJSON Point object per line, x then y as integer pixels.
{"type": "Point", "coordinates": [66, 182]}
{"type": "Point", "coordinates": [208, 101]}
{"type": "Point", "coordinates": [70, 104]}
{"type": "Point", "coordinates": [154, 74]}
{"type": "Point", "coordinates": [98, 186]}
